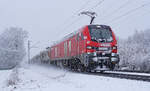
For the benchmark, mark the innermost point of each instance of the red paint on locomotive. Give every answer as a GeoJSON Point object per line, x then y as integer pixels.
{"type": "Point", "coordinates": [94, 45]}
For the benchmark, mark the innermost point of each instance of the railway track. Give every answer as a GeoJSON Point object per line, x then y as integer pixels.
{"type": "Point", "coordinates": [117, 74]}
{"type": "Point", "coordinates": [130, 76]}
{"type": "Point", "coordinates": [148, 72]}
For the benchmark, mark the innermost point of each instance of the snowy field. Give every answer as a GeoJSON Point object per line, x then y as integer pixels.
{"type": "Point", "coordinates": [46, 78]}
{"type": "Point", "coordinates": [4, 75]}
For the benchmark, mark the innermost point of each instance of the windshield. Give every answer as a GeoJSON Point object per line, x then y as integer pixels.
{"type": "Point", "coordinates": [101, 34]}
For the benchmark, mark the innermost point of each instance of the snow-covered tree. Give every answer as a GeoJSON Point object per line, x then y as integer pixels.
{"type": "Point", "coordinates": [12, 48]}
{"type": "Point", "coordinates": [135, 51]}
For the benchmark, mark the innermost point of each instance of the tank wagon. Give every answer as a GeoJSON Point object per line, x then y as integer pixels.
{"type": "Point", "coordinates": [91, 48]}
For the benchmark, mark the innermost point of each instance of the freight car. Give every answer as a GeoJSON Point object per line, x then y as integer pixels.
{"type": "Point", "coordinates": [91, 48]}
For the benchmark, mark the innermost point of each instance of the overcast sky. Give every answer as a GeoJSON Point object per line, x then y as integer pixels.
{"type": "Point", "coordinates": [50, 20]}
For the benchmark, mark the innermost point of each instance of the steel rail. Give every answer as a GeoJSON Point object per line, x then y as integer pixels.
{"type": "Point", "coordinates": [121, 75]}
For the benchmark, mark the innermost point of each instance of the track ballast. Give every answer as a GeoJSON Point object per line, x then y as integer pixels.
{"type": "Point", "coordinates": [122, 76]}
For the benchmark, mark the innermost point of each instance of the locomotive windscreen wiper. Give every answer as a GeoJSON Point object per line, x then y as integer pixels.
{"type": "Point", "coordinates": [102, 40]}
{"type": "Point", "coordinates": [94, 39]}
{"type": "Point", "coordinates": [98, 40]}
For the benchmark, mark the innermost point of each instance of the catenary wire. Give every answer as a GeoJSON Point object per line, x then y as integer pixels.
{"type": "Point", "coordinates": [76, 13]}
{"type": "Point", "coordinates": [119, 8]}
{"type": "Point", "coordinates": [127, 13]}
{"type": "Point", "coordinates": [96, 5]}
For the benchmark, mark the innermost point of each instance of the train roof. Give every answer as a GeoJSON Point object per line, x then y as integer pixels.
{"type": "Point", "coordinates": [75, 32]}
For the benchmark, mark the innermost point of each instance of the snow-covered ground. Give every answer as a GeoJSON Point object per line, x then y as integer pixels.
{"type": "Point", "coordinates": [47, 78]}
{"type": "Point", "coordinates": [4, 76]}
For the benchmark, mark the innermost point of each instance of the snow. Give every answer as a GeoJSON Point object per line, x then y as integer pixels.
{"type": "Point", "coordinates": [46, 78]}
{"type": "Point", "coordinates": [4, 75]}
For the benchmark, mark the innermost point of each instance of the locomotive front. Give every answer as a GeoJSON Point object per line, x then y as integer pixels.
{"type": "Point", "coordinates": [101, 48]}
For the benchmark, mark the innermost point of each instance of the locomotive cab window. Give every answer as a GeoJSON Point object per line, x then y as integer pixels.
{"type": "Point", "coordinates": [100, 34]}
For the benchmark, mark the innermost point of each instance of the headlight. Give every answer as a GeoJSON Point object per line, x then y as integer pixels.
{"type": "Point", "coordinates": [113, 54]}
{"type": "Point", "coordinates": [114, 47]}
{"type": "Point", "coordinates": [94, 54]}
{"type": "Point", "coordinates": [88, 52]}
{"type": "Point", "coordinates": [89, 47]}
{"type": "Point", "coordinates": [88, 42]}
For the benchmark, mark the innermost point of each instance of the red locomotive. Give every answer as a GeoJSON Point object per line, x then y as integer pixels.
{"type": "Point", "coordinates": [93, 47]}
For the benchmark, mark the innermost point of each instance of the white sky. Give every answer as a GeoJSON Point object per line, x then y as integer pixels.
{"type": "Point", "coordinates": [49, 20]}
